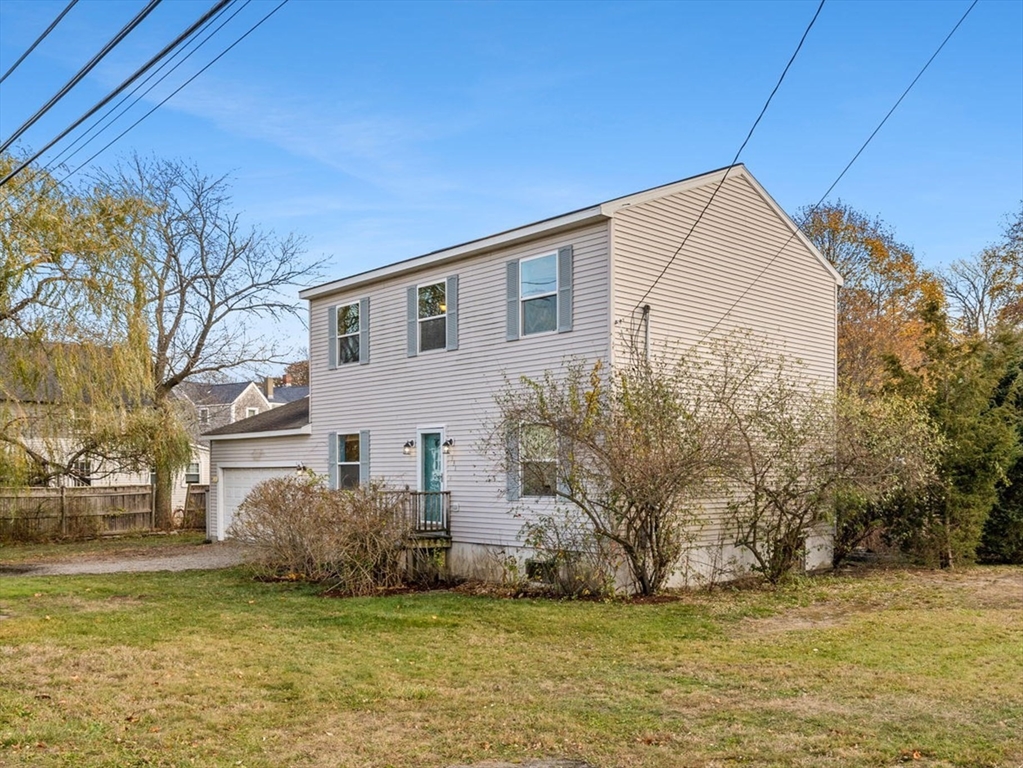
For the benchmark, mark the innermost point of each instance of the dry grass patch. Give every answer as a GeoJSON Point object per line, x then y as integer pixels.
{"type": "Point", "coordinates": [213, 669]}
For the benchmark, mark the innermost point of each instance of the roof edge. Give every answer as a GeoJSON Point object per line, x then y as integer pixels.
{"type": "Point", "coordinates": [298, 431]}
{"type": "Point", "coordinates": [470, 248]}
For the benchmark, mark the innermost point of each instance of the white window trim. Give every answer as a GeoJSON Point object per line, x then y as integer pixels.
{"type": "Point", "coordinates": [340, 442]}
{"type": "Point", "coordinates": [523, 298]}
{"type": "Point", "coordinates": [250, 411]}
{"type": "Point", "coordinates": [420, 320]}
{"type": "Point", "coordinates": [197, 473]}
{"type": "Point", "coordinates": [523, 461]}
{"type": "Point", "coordinates": [340, 336]}
{"type": "Point", "coordinates": [204, 417]}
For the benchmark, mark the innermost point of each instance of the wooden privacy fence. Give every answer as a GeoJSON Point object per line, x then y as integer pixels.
{"type": "Point", "coordinates": [28, 514]}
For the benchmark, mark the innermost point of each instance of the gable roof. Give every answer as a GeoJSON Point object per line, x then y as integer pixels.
{"type": "Point", "coordinates": [594, 213]}
{"type": "Point", "coordinates": [214, 394]}
{"type": "Point", "coordinates": [292, 418]}
{"type": "Point", "coordinates": [289, 394]}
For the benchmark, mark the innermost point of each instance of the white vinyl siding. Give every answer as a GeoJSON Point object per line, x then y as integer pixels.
{"type": "Point", "coordinates": [741, 253]}
{"type": "Point", "coordinates": [399, 393]}
{"type": "Point", "coordinates": [274, 455]}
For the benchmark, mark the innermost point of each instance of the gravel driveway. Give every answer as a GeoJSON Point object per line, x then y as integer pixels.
{"type": "Point", "coordinates": [206, 557]}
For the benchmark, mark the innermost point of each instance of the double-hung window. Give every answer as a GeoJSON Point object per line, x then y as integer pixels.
{"type": "Point", "coordinates": [538, 460]}
{"type": "Point", "coordinates": [348, 459]}
{"type": "Point", "coordinates": [432, 316]}
{"type": "Point", "coordinates": [539, 294]}
{"type": "Point", "coordinates": [192, 473]}
{"type": "Point", "coordinates": [348, 333]}
{"type": "Point", "coordinates": [204, 417]}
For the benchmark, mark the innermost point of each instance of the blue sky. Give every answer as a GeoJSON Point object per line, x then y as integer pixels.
{"type": "Point", "coordinates": [384, 130]}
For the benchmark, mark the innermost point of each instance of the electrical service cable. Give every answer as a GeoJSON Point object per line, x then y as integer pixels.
{"type": "Point", "coordinates": [734, 160]}
{"type": "Point", "coordinates": [849, 165]}
{"type": "Point", "coordinates": [114, 42]}
{"type": "Point", "coordinates": [179, 40]}
{"type": "Point", "coordinates": [38, 40]}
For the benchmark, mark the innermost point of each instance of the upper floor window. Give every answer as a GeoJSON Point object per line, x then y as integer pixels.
{"type": "Point", "coordinates": [192, 473]}
{"type": "Point", "coordinates": [251, 412]}
{"type": "Point", "coordinates": [204, 417]}
{"type": "Point", "coordinates": [539, 296]}
{"type": "Point", "coordinates": [538, 293]}
{"type": "Point", "coordinates": [348, 333]}
{"type": "Point", "coordinates": [433, 316]}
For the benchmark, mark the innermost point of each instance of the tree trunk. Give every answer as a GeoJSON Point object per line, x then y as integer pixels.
{"type": "Point", "coordinates": [163, 488]}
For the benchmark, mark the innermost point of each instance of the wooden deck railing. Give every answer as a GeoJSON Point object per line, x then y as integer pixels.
{"type": "Point", "coordinates": [427, 511]}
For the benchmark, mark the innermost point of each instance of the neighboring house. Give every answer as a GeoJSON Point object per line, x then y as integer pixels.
{"type": "Point", "coordinates": [37, 413]}
{"type": "Point", "coordinates": [213, 406]}
{"type": "Point", "coordinates": [405, 360]}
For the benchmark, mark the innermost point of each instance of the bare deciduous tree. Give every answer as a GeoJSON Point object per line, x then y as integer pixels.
{"type": "Point", "coordinates": [202, 279]}
{"type": "Point", "coordinates": [632, 449]}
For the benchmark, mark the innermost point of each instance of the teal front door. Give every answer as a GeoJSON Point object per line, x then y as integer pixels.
{"type": "Point", "coordinates": [431, 477]}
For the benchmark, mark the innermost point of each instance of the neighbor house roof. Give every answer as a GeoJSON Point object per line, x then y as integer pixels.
{"type": "Point", "coordinates": [290, 419]}
{"type": "Point", "coordinates": [289, 394]}
{"type": "Point", "coordinates": [213, 394]}
{"type": "Point", "coordinates": [566, 221]}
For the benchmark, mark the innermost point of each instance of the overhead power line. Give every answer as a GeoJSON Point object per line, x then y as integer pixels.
{"type": "Point", "coordinates": [834, 184]}
{"type": "Point", "coordinates": [734, 160]}
{"type": "Point", "coordinates": [113, 43]}
{"type": "Point", "coordinates": [39, 39]}
{"type": "Point", "coordinates": [102, 125]}
{"type": "Point", "coordinates": [189, 32]}
{"type": "Point", "coordinates": [173, 93]}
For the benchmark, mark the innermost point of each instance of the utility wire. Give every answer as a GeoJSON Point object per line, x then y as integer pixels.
{"type": "Point", "coordinates": [834, 184]}
{"type": "Point", "coordinates": [99, 127]}
{"type": "Point", "coordinates": [39, 39]}
{"type": "Point", "coordinates": [125, 31]}
{"type": "Point", "coordinates": [173, 93]}
{"type": "Point", "coordinates": [734, 160]}
{"type": "Point", "coordinates": [196, 25]}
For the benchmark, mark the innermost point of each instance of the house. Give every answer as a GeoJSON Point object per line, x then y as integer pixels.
{"type": "Point", "coordinates": [212, 406]}
{"type": "Point", "coordinates": [43, 420]}
{"type": "Point", "coordinates": [405, 359]}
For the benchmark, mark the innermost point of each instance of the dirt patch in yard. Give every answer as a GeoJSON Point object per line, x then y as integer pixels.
{"type": "Point", "coordinates": [200, 557]}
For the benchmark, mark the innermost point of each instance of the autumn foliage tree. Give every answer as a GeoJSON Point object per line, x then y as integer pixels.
{"type": "Point", "coordinates": [879, 305]}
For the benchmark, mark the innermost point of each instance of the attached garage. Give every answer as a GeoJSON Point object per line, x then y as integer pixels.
{"type": "Point", "coordinates": [234, 485]}
{"type": "Point", "coordinates": [249, 451]}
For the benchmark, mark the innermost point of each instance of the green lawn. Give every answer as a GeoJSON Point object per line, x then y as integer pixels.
{"type": "Point", "coordinates": [214, 669]}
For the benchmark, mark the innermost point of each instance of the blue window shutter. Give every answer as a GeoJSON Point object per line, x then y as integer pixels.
{"type": "Point", "coordinates": [452, 321]}
{"type": "Point", "coordinates": [413, 325]}
{"type": "Point", "coordinates": [513, 480]}
{"type": "Point", "coordinates": [513, 301]}
{"type": "Point", "coordinates": [364, 457]}
{"type": "Point", "coordinates": [364, 331]}
{"type": "Point", "coordinates": [565, 289]}
{"type": "Point", "coordinates": [332, 460]}
{"type": "Point", "coordinates": [332, 337]}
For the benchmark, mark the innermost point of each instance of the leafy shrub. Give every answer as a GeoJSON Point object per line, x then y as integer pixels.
{"type": "Point", "coordinates": [351, 541]}
{"type": "Point", "coordinates": [570, 557]}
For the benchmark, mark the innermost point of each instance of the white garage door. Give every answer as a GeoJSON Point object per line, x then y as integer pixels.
{"type": "Point", "coordinates": [237, 482]}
